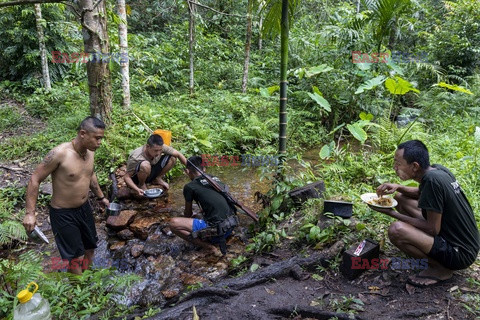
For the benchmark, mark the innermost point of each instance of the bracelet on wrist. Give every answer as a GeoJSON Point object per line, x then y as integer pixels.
{"type": "Point", "coordinates": [100, 198]}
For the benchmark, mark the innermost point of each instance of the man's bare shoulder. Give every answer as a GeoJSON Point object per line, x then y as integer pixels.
{"type": "Point", "coordinates": [57, 154]}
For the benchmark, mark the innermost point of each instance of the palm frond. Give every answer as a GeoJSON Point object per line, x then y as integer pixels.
{"type": "Point", "coordinates": [273, 9]}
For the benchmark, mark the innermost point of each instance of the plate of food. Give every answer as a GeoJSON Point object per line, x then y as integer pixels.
{"type": "Point", "coordinates": [153, 193]}
{"type": "Point", "coordinates": [380, 202]}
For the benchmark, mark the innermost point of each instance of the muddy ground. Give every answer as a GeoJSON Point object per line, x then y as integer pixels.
{"type": "Point", "coordinates": [316, 293]}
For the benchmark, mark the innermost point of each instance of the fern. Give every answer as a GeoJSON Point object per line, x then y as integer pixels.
{"type": "Point", "coordinates": [11, 229]}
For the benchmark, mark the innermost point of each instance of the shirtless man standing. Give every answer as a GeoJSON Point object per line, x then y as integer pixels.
{"type": "Point", "coordinates": [71, 166]}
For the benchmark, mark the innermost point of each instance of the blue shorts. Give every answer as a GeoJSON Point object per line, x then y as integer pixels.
{"type": "Point", "coordinates": [201, 224]}
{"type": "Point", "coordinates": [198, 225]}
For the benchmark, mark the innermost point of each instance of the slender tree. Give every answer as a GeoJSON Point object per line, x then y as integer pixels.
{"type": "Point", "coordinates": [280, 13]}
{"type": "Point", "coordinates": [248, 42]}
{"type": "Point", "coordinates": [41, 43]}
{"type": "Point", "coordinates": [191, 45]}
{"type": "Point", "coordinates": [124, 61]}
{"type": "Point", "coordinates": [282, 149]}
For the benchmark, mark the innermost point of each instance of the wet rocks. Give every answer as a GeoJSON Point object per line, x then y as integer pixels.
{"type": "Point", "coordinates": [189, 279]}
{"type": "Point", "coordinates": [117, 245]}
{"type": "Point", "coordinates": [122, 220]}
{"type": "Point", "coordinates": [125, 234]}
{"type": "Point", "coordinates": [136, 250]}
{"type": "Point", "coordinates": [141, 226]}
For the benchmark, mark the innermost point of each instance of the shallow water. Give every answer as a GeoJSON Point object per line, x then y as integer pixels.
{"type": "Point", "coordinates": [167, 263]}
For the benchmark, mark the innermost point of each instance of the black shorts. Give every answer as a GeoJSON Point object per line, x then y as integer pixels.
{"type": "Point", "coordinates": [453, 258]}
{"type": "Point", "coordinates": [74, 230]}
{"type": "Point", "coordinates": [156, 169]}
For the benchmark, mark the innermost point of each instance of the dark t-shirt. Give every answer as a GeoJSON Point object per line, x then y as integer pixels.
{"type": "Point", "coordinates": [440, 192]}
{"type": "Point", "coordinates": [214, 205]}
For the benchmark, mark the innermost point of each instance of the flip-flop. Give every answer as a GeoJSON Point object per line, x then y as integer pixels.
{"type": "Point", "coordinates": [424, 285]}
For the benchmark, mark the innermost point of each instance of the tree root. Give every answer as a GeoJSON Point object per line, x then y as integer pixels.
{"type": "Point", "coordinates": [227, 288]}
{"type": "Point", "coordinates": [311, 312]}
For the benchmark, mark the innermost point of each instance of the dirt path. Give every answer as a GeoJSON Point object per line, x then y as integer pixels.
{"type": "Point", "coordinates": [376, 294]}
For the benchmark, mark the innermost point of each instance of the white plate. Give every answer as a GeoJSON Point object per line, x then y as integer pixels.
{"type": "Point", "coordinates": [153, 193]}
{"type": "Point", "coordinates": [367, 197]}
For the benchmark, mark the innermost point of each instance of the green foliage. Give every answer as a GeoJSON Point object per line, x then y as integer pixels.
{"type": "Point", "coordinates": [69, 296]}
{"type": "Point", "coordinates": [9, 117]}
{"type": "Point", "coordinates": [11, 228]}
{"type": "Point", "coordinates": [20, 56]}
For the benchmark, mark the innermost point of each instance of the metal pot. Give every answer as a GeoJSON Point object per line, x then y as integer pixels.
{"type": "Point", "coordinates": [114, 209]}
{"type": "Point", "coordinates": [339, 208]}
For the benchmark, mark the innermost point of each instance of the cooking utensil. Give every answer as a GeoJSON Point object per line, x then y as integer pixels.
{"type": "Point", "coordinates": [153, 193]}
{"type": "Point", "coordinates": [338, 208]}
{"type": "Point", "coordinates": [114, 209]}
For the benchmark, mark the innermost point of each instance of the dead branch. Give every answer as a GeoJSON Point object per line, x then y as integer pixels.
{"type": "Point", "coordinates": [23, 2]}
{"type": "Point", "coordinates": [225, 289]}
{"type": "Point", "coordinates": [216, 11]}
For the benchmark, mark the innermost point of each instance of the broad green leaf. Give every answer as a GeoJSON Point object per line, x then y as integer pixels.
{"type": "Point", "coordinates": [310, 72]}
{"type": "Point", "coordinates": [264, 92]}
{"type": "Point", "coordinates": [325, 152]}
{"type": "Point", "coordinates": [316, 90]}
{"type": "Point", "coordinates": [364, 66]}
{"type": "Point", "coordinates": [272, 89]}
{"type": "Point", "coordinates": [366, 116]}
{"type": "Point", "coordinates": [357, 132]}
{"type": "Point", "coordinates": [276, 203]}
{"type": "Point", "coordinates": [399, 86]}
{"type": "Point", "coordinates": [454, 87]}
{"type": "Point", "coordinates": [206, 143]}
{"type": "Point", "coordinates": [360, 226]}
{"type": "Point", "coordinates": [320, 100]}
{"type": "Point", "coordinates": [370, 84]}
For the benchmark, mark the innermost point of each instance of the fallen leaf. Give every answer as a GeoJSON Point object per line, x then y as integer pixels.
{"type": "Point", "coordinates": [410, 289]}
{"type": "Point", "coordinates": [314, 303]}
{"type": "Point", "coordinates": [269, 291]}
{"type": "Point", "coordinates": [453, 289]}
{"type": "Point", "coordinates": [373, 288]}
{"type": "Point", "coordinates": [195, 315]}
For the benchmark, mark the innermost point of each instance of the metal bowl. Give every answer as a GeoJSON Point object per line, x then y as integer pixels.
{"type": "Point", "coordinates": [114, 209]}
{"type": "Point", "coordinates": [153, 193]}
{"type": "Point", "coordinates": [338, 208]}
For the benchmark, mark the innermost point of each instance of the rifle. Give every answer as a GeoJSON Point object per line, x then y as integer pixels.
{"type": "Point", "coordinates": [225, 193]}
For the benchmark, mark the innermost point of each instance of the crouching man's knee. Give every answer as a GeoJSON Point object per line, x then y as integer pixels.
{"type": "Point", "coordinates": [396, 231]}
{"type": "Point", "coordinates": [145, 168]}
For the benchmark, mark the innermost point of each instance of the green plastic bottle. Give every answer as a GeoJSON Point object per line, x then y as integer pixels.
{"type": "Point", "coordinates": [32, 306]}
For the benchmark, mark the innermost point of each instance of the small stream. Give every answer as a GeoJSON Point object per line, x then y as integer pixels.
{"type": "Point", "coordinates": [145, 246]}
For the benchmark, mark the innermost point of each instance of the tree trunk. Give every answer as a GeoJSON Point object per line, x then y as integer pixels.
{"type": "Point", "coordinates": [43, 50]}
{"type": "Point", "coordinates": [95, 40]}
{"type": "Point", "coordinates": [124, 61]}
{"type": "Point", "coordinates": [260, 36]}
{"type": "Point", "coordinates": [283, 82]}
{"type": "Point", "coordinates": [248, 41]}
{"type": "Point", "coordinates": [191, 33]}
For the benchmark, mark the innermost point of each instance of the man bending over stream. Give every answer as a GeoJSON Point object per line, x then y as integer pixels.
{"type": "Point", "coordinates": [216, 209]}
